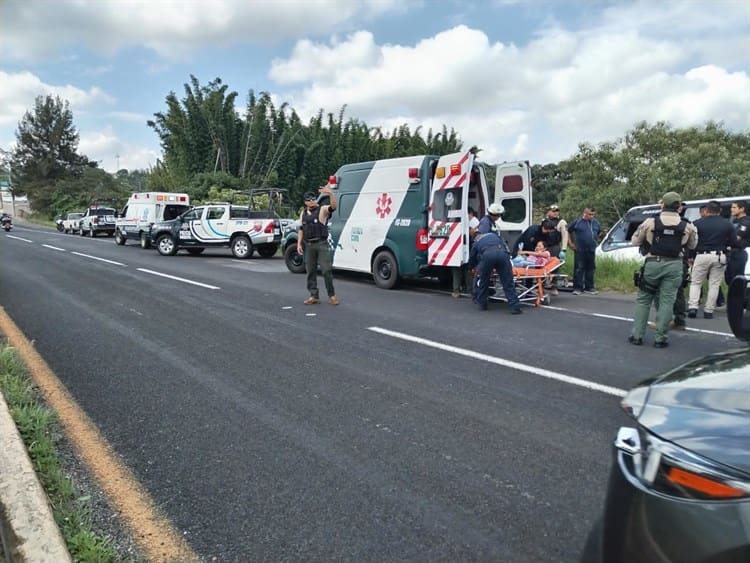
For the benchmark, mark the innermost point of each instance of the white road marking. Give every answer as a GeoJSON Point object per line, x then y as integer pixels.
{"type": "Point", "coordinates": [287, 307]}
{"type": "Point", "coordinates": [629, 320]}
{"type": "Point", "coordinates": [499, 361]}
{"type": "Point", "coordinates": [19, 238]}
{"type": "Point", "coordinates": [183, 280]}
{"type": "Point", "coordinates": [100, 259]}
{"type": "Point", "coordinates": [311, 314]}
{"type": "Point", "coordinates": [53, 247]}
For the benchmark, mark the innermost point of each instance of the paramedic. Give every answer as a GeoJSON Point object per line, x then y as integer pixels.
{"type": "Point", "coordinates": [531, 236]}
{"type": "Point", "coordinates": [666, 236]}
{"type": "Point", "coordinates": [490, 252]}
{"type": "Point", "coordinates": [314, 232]}
{"type": "Point", "coordinates": [488, 223]}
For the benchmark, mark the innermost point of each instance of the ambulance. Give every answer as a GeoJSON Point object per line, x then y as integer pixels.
{"type": "Point", "coordinates": [408, 217]}
{"type": "Point", "coordinates": [143, 210]}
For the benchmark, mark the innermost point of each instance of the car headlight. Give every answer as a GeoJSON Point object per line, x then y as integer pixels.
{"type": "Point", "coordinates": [668, 469]}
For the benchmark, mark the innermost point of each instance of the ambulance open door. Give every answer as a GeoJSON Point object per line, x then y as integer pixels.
{"type": "Point", "coordinates": [448, 222]}
{"type": "Point", "coordinates": [513, 192]}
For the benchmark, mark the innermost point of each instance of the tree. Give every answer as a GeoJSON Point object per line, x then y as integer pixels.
{"type": "Point", "coordinates": [46, 151]}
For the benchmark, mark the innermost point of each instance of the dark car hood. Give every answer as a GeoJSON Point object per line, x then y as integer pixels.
{"type": "Point", "coordinates": [704, 406]}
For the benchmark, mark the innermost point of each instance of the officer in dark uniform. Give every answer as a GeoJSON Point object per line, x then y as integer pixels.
{"type": "Point", "coordinates": [533, 235]}
{"type": "Point", "coordinates": [665, 236]}
{"type": "Point", "coordinates": [488, 223]}
{"type": "Point", "coordinates": [738, 255]}
{"type": "Point", "coordinates": [490, 252]}
{"type": "Point", "coordinates": [715, 236]}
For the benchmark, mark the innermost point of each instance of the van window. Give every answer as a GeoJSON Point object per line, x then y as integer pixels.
{"type": "Point", "coordinates": [446, 205]}
{"type": "Point", "coordinates": [515, 210]}
{"type": "Point", "coordinates": [345, 204]}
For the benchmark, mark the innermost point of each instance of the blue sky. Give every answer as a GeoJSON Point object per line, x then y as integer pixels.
{"type": "Point", "coordinates": [521, 79]}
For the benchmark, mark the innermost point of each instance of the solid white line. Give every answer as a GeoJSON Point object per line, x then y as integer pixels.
{"type": "Point", "coordinates": [19, 238]}
{"type": "Point", "coordinates": [100, 259]}
{"type": "Point", "coordinates": [499, 361]}
{"type": "Point", "coordinates": [183, 280]}
{"type": "Point", "coordinates": [53, 247]}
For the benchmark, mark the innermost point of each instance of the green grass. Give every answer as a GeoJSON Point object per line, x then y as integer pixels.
{"type": "Point", "coordinates": [41, 433]}
{"type": "Point", "coordinates": [612, 275]}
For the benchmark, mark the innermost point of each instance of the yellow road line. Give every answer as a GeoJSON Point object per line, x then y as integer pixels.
{"type": "Point", "coordinates": [151, 529]}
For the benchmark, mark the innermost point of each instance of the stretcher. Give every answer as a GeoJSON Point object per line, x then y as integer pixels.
{"type": "Point", "coordinates": [532, 282]}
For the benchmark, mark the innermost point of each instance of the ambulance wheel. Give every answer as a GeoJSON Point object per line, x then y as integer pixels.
{"type": "Point", "coordinates": [166, 246]}
{"type": "Point", "coordinates": [295, 262]}
{"type": "Point", "coordinates": [267, 250]}
{"type": "Point", "coordinates": [385, 270]}
{"type": "Point", "coordinates": [195, 251]}
{"type": "Point", "coordinates": [119, 239]}
{"type": "Point", "coordinates": [242, 247]}
{"type": "Point", "coordinates": [145, 240]}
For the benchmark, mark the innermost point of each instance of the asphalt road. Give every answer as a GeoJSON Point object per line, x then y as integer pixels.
{"type": "Point", "coordinates": [399, 425]}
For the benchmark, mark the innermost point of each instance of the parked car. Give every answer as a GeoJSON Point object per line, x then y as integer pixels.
{"type": "Point", "coordinates": [97, 220]}
{"type": "Point", "coordinates": [71, 222]}
{"type": "Point", "coordinates": [679, 488]}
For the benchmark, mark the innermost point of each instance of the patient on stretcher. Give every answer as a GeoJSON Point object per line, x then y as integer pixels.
{"type": "Point", "coordinates": [537, 258]}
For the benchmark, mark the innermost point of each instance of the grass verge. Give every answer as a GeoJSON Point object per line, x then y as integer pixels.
{"type": "Point", "coordinates": [41, 433]}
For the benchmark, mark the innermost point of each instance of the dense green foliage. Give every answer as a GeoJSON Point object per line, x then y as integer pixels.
{"type": "Point", "coordinates": [209, 148]}
{"type": "Point", "coordinates": [206, 144]}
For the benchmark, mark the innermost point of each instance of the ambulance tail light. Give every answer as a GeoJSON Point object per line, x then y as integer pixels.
{"type": "Point", "coordinates": [414, 176]}
{"type": "Point", "coordinates": [183, 198]}
{"type": "Point", "coordinates": [455, 169]}
{"type": "Point", "coordinates": [422, 239]}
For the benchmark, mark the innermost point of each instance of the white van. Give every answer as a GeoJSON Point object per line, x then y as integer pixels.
{"type": "Point", "coordinates": [145, 209]}
{"type": "Point", "coordinates": [616, 244]}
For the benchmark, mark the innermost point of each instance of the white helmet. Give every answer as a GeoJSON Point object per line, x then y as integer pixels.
{"type": "Point", "coordinates": [495, 209]}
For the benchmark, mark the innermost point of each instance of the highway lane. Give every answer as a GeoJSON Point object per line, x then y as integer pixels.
{"type": "Point", "coordinates": [268, 429]}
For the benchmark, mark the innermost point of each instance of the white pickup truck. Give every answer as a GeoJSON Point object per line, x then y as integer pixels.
{"type": "Point", "coordinates": [238, 227]}
{"type": "Point", "coordinates": [98, 220]}
{"type": "Point", "coordinates": [72, 222]}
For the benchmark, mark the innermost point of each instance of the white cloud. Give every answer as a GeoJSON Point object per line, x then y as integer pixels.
{"type": "Point", "coordinates": [105, 147]}
{"type": "Point", "coordinates": [19, 91]}
{"type": "Point", "coordinates": [35, 29]}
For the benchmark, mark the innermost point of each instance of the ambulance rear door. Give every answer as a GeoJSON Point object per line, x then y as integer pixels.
{"type": "Point", "coordinates": [513, 192]}
{"type": "Point", "coordinates": [448, 222]}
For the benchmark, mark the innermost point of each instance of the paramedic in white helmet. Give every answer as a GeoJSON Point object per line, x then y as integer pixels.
{"type": "Point", "coordinates": [487, 224]}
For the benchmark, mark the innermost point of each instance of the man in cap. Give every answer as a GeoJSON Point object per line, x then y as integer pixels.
{"type": "Point", "coordinates": [488, 223]}
{"type": "Point", "coordinates": [666, 237]}
{"type": "Point", "coordinates": [557, 241]}
{"type": "Point", "coordinates": [313, 231]}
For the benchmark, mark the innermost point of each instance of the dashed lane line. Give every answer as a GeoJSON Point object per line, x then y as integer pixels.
{"type": "Point", "coordinates": [100, 259]}
{"type": "Point", "coordinates": [183, 280]}
{"type": "Point", "coordinates": [152, 529]}
{"type": "Point", "coordinates": [54, 247]}
{"type": "Point", "coordinates": [501, 362]}
{"type": "Point", "coordinates": [19, 238]}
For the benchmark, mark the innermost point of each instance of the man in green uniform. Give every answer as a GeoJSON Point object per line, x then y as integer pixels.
{"type": "Point", "coordinates": [666, 236]}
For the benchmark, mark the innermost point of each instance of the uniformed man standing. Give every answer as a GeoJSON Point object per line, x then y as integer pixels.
{"type": "Point", "coordinates": [667, 236]}
{"type": "Point", "coordinates": [557, 241]}
{"type": "Point", "coordinates": [490, 252]}
{"type": "Point", "coordinates": [313, 231]}
{"type": "Point", "coordinates": [488, 223]}
{"type": "Point", "coordinates": [738, 255]}
{"type": "Point", "coordinates": [715, 237]}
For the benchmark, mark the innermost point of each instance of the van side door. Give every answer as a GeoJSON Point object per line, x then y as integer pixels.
{"type": "Point", "coordinates": [513, 192]}
{"type": "Point", "coordinates": [448, 220]}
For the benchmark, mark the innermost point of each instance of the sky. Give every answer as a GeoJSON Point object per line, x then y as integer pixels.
{"type": "Point", "coordinates": [523, 80]}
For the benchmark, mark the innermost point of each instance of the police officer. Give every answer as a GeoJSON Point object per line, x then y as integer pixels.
{"type": "Point", "coordinates": [313, 231]}
{"type": "Point", "coordinates": [490, 252]}
{"type": "Point", "coordinates": [738, 255]}
{"type": "Point", "coordinates": [715, 236]}
{"type": "Point", "coordinates": [666, 236]}
{"type": "Point", "coordinates": [488, 223]}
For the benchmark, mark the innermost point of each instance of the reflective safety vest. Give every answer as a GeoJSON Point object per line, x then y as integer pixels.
{"type": "Point", "coordinates": [667, 239]}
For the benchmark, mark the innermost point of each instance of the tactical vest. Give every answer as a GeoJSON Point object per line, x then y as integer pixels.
{"type": "Point", "coordinates": [555, 237]}
{"type": "Point", "coordinates": [312, 228]}
{"type": "Point", "coordinates": [667, 239]}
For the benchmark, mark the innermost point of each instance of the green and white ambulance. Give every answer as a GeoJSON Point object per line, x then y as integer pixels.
{"type": "Point", "coordinates": [408, 217]}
